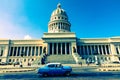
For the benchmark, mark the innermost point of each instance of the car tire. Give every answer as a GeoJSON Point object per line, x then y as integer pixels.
{"type": "Point", "coordinates": [45, 74]}
{"type": "Point", "coordinates": [67, 73]}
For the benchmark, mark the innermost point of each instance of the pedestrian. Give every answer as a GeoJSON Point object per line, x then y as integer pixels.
{"type": "Point", "coordinates": [80, 63]}
{"type": "Point", "coordinates": [21, 64]}
{"type": "Point", "coordinates": [14, 64]}
{"type": "Point", "coordinates": [42, 61]}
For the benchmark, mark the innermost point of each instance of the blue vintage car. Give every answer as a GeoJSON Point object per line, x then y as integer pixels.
{"type": "Point", "coordinates": [55, 69]}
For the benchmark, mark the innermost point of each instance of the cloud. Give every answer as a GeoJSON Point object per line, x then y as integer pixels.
{"type": "Point", "coordinates": [9, 29]}
{"type": "Point", "coordinates": [12, 19]}
{"type": "Point", "coordinates": [27, 37]}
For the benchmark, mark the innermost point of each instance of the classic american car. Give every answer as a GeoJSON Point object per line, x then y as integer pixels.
{"type": "Point", "coordinates": [55, 69]}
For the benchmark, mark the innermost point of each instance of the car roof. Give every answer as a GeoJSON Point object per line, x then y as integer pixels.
{"type": "Point", "coordinates": [53, 63]}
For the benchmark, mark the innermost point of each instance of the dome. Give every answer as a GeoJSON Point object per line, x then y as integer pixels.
{"type": "Point", "coordinates": [59, 21]}
{"type": "Point", "coordinates": [59, 11]}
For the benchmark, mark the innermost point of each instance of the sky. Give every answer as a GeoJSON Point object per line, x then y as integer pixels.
{"type": "Point", "coordinates": [28, 19]}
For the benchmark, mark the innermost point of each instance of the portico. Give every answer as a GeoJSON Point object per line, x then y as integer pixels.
{"type": "Point", "coordinates": [59, 48]}
{"type": "Point", "coordinates": [59, 43]}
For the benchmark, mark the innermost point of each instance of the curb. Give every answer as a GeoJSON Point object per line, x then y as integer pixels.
{"type": "Point", "coordinates": [19, 70]}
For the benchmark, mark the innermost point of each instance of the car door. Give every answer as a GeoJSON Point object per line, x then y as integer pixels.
{"type": "Point", "coordinates": [59, 70]}
{"type": "Point", "coordinates": [52, 69]}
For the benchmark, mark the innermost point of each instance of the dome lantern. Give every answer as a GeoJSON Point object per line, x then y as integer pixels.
{"type": "Point", "coordinates": [59, 5]}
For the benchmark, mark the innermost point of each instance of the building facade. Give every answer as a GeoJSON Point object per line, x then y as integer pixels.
{"type": "Point", "coordinates": [59, 40]}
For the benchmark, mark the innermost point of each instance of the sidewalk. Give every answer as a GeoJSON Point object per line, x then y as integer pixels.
{"type": "Point", "coordinates": [37, 66]}
{"type": "Point", "coordinates": [17, 68]}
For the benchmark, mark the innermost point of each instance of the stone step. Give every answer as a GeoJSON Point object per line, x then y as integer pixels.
{"type": "Point", "coordinates": [64, 59]}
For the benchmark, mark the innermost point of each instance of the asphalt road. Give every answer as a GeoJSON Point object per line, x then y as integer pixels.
{"type": "Point", "coordinates": [77, 74]}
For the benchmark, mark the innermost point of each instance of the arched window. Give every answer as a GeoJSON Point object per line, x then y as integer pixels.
{"type": "Point", "coordinates": [58, 17]}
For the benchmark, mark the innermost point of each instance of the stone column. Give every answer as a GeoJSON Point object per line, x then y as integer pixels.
{"type": "Point", "coordinates": [102, 49]}
{"type": "Point", "coordinates": [98, 49]}
{"type": "Point", "coordinates": [69, 48]}
{"type": "Point", "coordinates": [48, 48]}
{"type": "Point", "coordinates": [35, 51]}
{"type": "Point", "coordinates": [119, 49]}
{"type": "Point", "coordinates": [113, 53]}
{"type": "Point", "coordinates": [16, 51]}
{"type": "Point", "coordinates": [27, 51]}
{"type": "Point", "coordinates": [83, 50]}
{"type": "Point", "coordinates": [13, 51]}
{"type": "Point", "coordinates": [31, 50]}
{"type": "Point", "coordinates": [105, 50]}
{"type": "Point", "coordinates": [52, 48]}
{"type": "Point", "coordinates": [87, 50]}
{"type": "Point", "coordinates": [38, 50]}
{"type": "Point", "coordinates": [56, 48]}
{"type": "Point", "coordinates": [109, 50]}
{"type": "Point", "coordinates": [61, 49]}
{"type": "Point", "coordinates": [24, 49]}
{"type": "Point", "coordinates": [65, 48]}
{"type": "Point", "coordinates": [20, 51]}
{"type": "Point", "coordinates": [91, 50]}
{"type": "Point", "coordinates": [9, 51]}
{"type": "Point", "coordinates": [0, 49]}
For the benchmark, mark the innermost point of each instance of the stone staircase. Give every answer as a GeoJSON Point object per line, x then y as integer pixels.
{"type": "Point", "coordinates": [78, 59]}
{"type": "Point", "coordinates": [37, 61]}
{"type": "Point", "coordinates": [64, 59]}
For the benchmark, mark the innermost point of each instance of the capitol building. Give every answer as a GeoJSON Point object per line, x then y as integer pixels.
{"type": "Point", "coordinates": [60, 41]}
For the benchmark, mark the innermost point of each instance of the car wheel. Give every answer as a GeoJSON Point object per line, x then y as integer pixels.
{"type": "Point", "coordinates": [45, 74]}
{"type": "Point", "coordinates": [67, 74]}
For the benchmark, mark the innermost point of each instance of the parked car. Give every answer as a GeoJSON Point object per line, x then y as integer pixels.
{"type": "Point", "coordinates": [55, 69]}
{"type": "Point", "coordinates": [10, 63]}
{"type": "Point", "coordinates": [16, 63]}
{"type": "Point", "coordinates": [116, 62]}
{"type": "Point", "coordinates": [3, 63]}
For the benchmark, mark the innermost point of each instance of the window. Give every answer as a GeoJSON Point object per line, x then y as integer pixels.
{"type": "Point", "coordinates": [9, 60]}
{"type": "Point", "coordinates": [32, 59]}
{"type": "Point", "coordinates": [58, 17]}
{"type": "Point", "coordinates": [58, 65]}
{"type": "Point", "coordinates": [24, 60]}
{"type": "Point", "coordinates": [52, 65]}
{"type": "Point", "coordinates": [13, 60]}
{"type": "Point", "coordinates": [17, 59]}
{"type": "Point", "coordinates": [1, 53]}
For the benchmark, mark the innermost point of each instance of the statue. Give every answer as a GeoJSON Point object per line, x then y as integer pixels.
{"type": "Point", "coordinates": [74, 49]}
{"type": "Point", "coordinates": [44, 50]}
